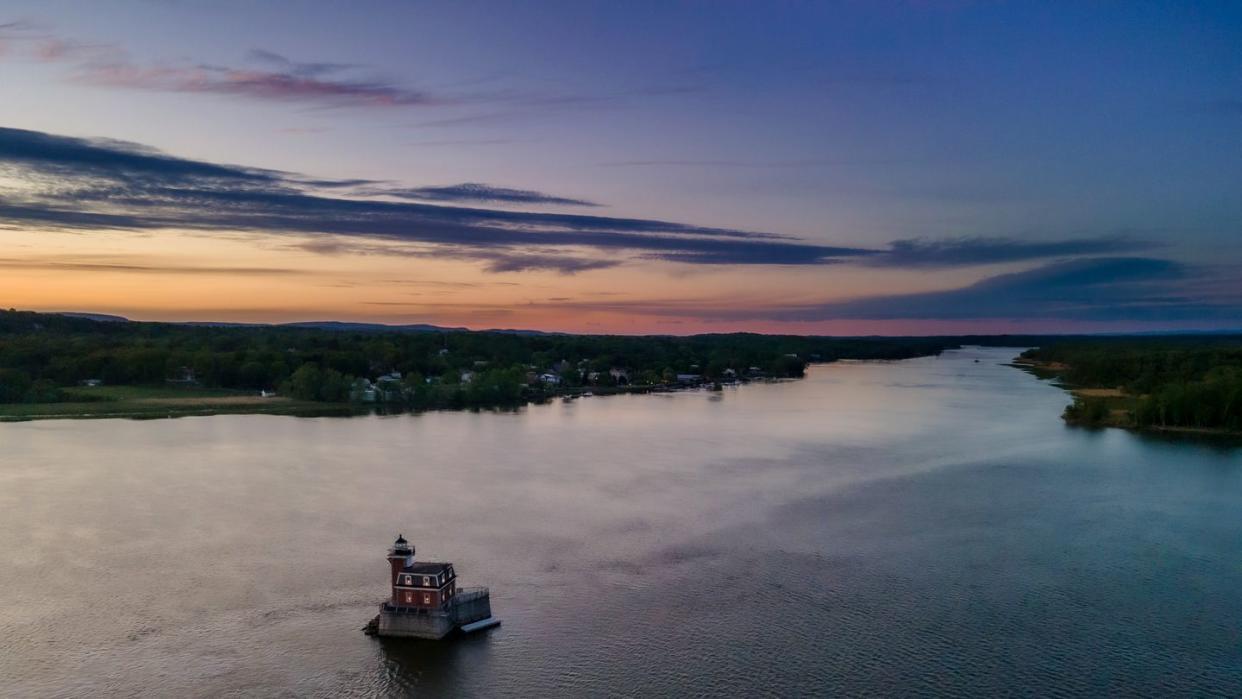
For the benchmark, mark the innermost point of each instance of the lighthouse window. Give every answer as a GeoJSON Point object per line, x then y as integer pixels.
{"type": "Point", "coordinates": [426, 581]}
{"type": "Point", "coordinates": [426, 598]}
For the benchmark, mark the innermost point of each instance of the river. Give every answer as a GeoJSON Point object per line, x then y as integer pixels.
{"type": "Point", "coordinates": [923, 527]}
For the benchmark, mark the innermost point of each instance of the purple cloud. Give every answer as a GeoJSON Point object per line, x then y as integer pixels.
{"type": "Point", "coordinates": [275, 77]}
{"type": "Point", "coordinates": [482, 193]}
{"type": "Point", "coordinates": [981, 250]}
{"type": "Point", "coordinates": [82, 184]}
{"type": "Point", "coordinates": [1111, 289]}
{"type": "Point", "coordinates": [257, 84]}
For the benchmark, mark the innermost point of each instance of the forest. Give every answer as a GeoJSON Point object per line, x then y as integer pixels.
{"type": "Point", "coordinates": [44, 357]}
{"type": "Point", "coordinates": [1178, 382]}
{"type": "Point", "coordinates": [1171, 382]}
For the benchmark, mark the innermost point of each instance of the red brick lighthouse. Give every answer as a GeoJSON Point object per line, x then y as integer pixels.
{"type": "Point", "coordinates": [425, 600]}
{"type": "Point", "coordinates": [425, 584]}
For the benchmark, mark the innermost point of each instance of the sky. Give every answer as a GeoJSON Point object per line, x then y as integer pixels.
{"type": "Point", "coordinates": [904, 167]}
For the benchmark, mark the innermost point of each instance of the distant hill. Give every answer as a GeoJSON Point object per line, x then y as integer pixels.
{"type": "Point", "coordinates": [335, 325]}
{"type": "Point", "coordinates": [355, 327]}
{"type": "Point", "coordinates": [410, 328]}
{"type": "Point", "coordinates": [371, 327]}
{"type": "Point", "coordinates": [100, 317]}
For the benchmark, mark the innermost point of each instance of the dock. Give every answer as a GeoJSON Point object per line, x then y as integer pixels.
{"type": "Point", "coordinates": [481, 625]}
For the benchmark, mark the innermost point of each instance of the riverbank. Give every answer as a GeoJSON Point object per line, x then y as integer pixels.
{"type": "Point", "coordinates": [1098, 406]}
{"type": "Point", "coordinates": [613, 531]}
{"type": "Point", "coordinates": [142, 402]}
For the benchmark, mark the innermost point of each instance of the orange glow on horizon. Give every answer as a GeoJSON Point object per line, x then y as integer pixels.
{"type": "Point", "coordinates": [186, 277]}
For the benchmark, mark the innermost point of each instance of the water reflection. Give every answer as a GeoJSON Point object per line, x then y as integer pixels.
{"type": "Point", "coordinates": [922, 527]}
{"type": "Point", "coordinates": [427, 666]}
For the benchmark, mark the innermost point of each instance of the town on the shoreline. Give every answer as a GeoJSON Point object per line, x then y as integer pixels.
{"type": "Point", "coordinates": [55, 365]}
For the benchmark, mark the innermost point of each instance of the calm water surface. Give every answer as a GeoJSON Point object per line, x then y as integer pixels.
{"type": "Point", "coordinates": [926, 527]}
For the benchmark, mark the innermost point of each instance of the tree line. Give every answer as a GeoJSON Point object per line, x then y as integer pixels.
{"type": "Point", "coordinates": [42, 355]}
{"type": "Point", "coordinates": [1186, 381]}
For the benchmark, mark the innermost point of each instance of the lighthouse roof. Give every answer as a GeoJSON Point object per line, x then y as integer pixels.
{"type": "Point", "coordinates": [401, 540]}
{"type": "Point", "coordinates": [425, 576]}
{"type": "Point", "coordinates": [426, 568]}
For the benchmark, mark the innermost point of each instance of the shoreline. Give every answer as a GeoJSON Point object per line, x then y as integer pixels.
{"type": "Point", "coordinates": [197, 405]}
{"type": "Point", "coordinates": [208, 403]}
{"type": "Point", "coordinates": [1115, 402]}
{"type": "Point", "coordinates": [29, 412]}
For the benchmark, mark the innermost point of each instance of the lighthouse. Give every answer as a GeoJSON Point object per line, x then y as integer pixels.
{"type": "Point", "coordinates": [400, 555]}
{"type": "Point", "coordinates": [419, 584]}
{"type": "Point", "coordinates": [425, 601]}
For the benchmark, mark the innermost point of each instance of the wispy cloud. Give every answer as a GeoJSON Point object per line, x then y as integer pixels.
{"type": "Point", "coordinates": [481, 193]}
{"type": "Point", "coordinates": [291, 67]}
{"type": "Point", "coordinates": [742, 164]}
{"type": "Point", "coordinates": [493, 260]}
{"type": "Point", "coordinates": [79, 264]}
{"type": "Point", "coordinates": [82, 184]}
{"type": "Point", "coordinates": [99, 184]}
{"type": "Point", "coordinates": [965, 251]}
{"type": "Point", "coordinates": [268, 76]}
{"type": "Point", "coordinates": [1094, 289]}
{"type": "Point", "coordinates": [521, 262]}
{"type": "Point", "coordinates": [296, 85]}
{"type": "Point", "coordinates": [16, 27]}
{"type": "Point", "coordinates": [1099, 290]}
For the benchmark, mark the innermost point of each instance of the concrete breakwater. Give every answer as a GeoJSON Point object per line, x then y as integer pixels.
{"type": "Point", "coordinates": [471, 605]}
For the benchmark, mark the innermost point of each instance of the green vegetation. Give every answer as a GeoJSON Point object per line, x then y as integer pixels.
{"type": "Point", "coordinates": [1089, 412]}
{"type": "Point", "coordinates": [89, 394]}
{"type": "Point", "coordinates": [155, 369]}
{"type": "Point", "coordinates": [46, 362]}
{"type": "Point", "coordinates": [151, 401]}
{"type": "Point", "coordinates": [1184, 383]}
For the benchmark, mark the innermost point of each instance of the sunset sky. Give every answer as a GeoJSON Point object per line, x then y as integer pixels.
{"type": "Point", "coordinates": [848, 168]}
